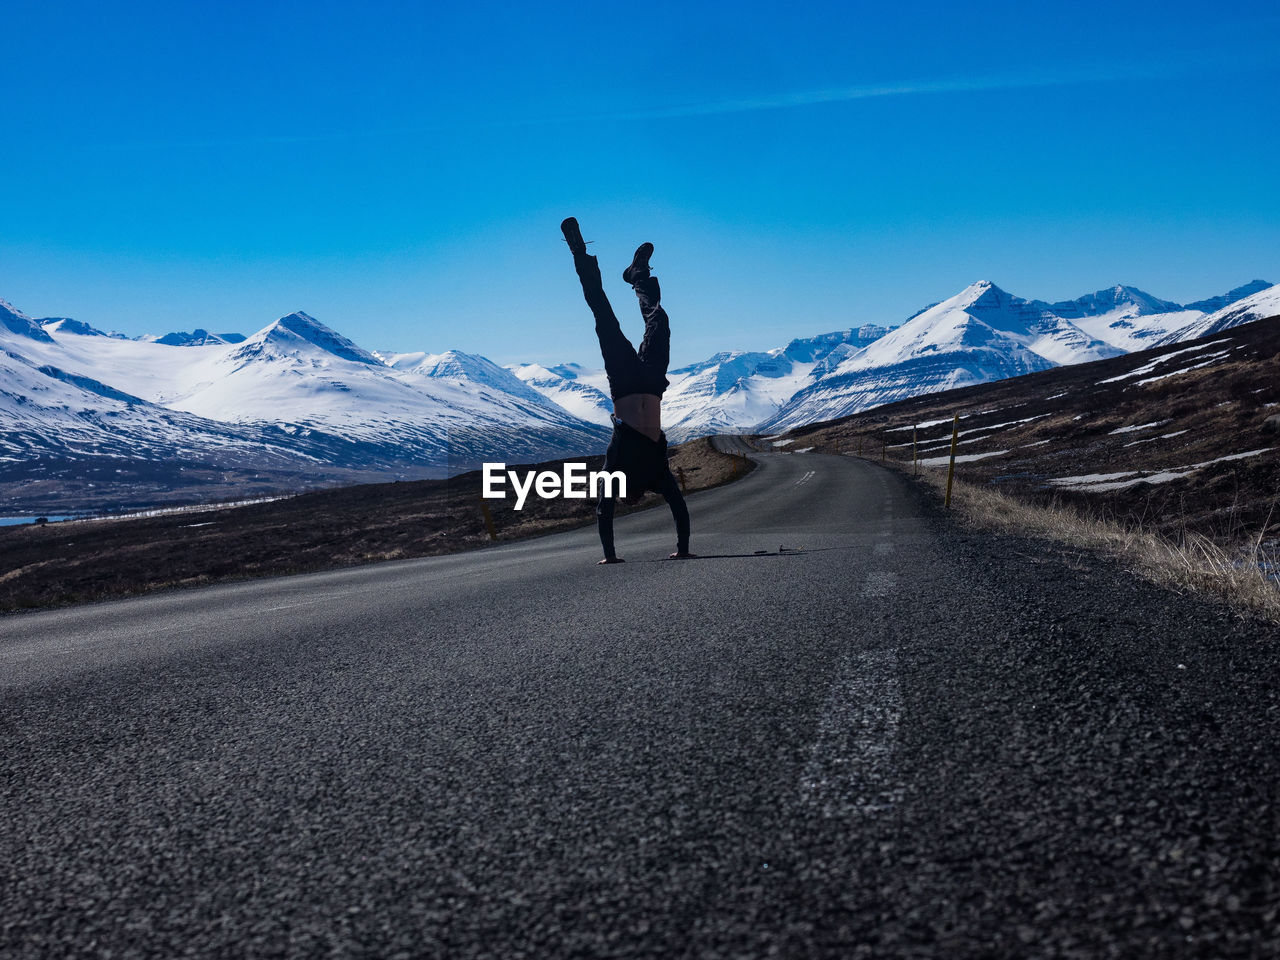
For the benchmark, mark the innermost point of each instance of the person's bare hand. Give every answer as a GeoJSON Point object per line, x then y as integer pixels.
{"type": "Point", "coordinates": [610, 560]}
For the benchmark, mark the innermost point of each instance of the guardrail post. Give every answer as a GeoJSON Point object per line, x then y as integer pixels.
{"type": "Point", "coordinates": [951, 465]}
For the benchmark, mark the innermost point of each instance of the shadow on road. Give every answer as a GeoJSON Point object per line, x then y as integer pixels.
{"type": "Point", "coordinates": [758, 555]}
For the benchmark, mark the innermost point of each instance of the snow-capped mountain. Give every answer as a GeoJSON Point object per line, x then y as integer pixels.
{"type": "Point", "coordinates": [1214, 304]}
{"type": "Point", "coordinates": [730, 392]}
{"type": "Point", "coordinates": [17, 323]}
{"type": "Point", "coordinates": [453, 409]}
{"type": "Point", "coordinates": [981, 334]}
{"type": "Point", "coordinates": [454, 366]}
{"type": "Point", "coordinates": [198, 338]}
{"type": "Point", "coordinates": [1125, 317]}
{"type": "Point", "coordinates": [295, 387]}
{"type": "Point", "coordinates": [299, 335]}
{"type": "Point", "coordinates": [55, 325]}
{"type": "Point", "coordinates": [581, 391]}
{"type": "Point", "coordinates": [1262, 303]}
{"type": "Point", "coordinates": [1104, 301]}
{"type": "Point", "coordinates": [591, 376]}
{"type": "Point", "coordinates": [47, 411]}
{"type": "Point", "coordinates": [484, 387]}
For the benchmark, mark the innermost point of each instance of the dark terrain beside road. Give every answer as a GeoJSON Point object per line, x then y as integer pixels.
{"type": "Point", "coordinates": [97, 484]}
{"type": "Point", "coordinates": [87, 560]}
{"type": "Point", "coordinates": [1175, 440]}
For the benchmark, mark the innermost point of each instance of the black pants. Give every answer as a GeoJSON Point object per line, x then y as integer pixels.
{"type": "Point", "coordinates": [629, 370]}
{"type": "Point", "coordinates": [643, 461]}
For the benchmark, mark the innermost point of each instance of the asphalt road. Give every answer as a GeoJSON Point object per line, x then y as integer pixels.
{"type": "Point", "coordinates": [882, 736]}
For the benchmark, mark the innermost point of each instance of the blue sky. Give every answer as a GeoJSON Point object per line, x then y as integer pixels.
{"type": "Point", "coordinates": [399, 171]}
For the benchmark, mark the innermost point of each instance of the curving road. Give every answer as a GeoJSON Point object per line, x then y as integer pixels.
{"type": "Point", "coordinates": [850, 730]}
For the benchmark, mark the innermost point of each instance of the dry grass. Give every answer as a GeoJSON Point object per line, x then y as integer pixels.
{"type": "Point", "coordinates": [1195, 450]}
{"type": "Point", "coordinates": [1194, 563]}
{"type": "Point", "coordinates": [1031, 435]}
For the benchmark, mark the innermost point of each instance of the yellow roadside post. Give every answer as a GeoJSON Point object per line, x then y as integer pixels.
{"type": "Point", "coordinates": [488, 519]}
{"type": "Point", "coordinates": [884, 448]}
{"type": "Point", "coordinates": [951, 465]}
{"type": "Point", "coordinates": [680, 472]}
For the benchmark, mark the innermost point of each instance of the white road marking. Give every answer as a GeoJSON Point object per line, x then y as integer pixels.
{"type": "Point", "coordinates": [852, 771]}
{"type": "Point", "coordinates": [805, 478]}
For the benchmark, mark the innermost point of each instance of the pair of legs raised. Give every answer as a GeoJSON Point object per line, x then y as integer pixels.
{"type": "Point", "coordinates": [630, 371]}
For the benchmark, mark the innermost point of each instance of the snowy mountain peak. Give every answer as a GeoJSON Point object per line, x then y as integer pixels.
{"type": "Point", "coordinates": [298, 329]}
{"type": "Point", "coordinates": [1260, 305]}
{"type": "Point", "coordinates": [570, 371]}
{"type": "Point", "coordinates": [451, 363]}
{"type": "Point", "coordinates": [198, 337]}
{"type": "Point", "coordinates": [983, 295]}
{"type": "Point", "coordinates": [583, 391]}
{"type": "Point", "coordinates": [52, 325]}
{"type": "Point", "coordinates": [1213, 304]}
{"type": "Point", "coordinates": [15, 321]}
{"type": "Point", "coordinates": [810, 349]}
{"type": "Point", "coordinates": [9, 308]}
{"type": "Point", "coordinates": [1132, 301]}
{"type": "Point", "coordinates": [976, 291]}
{"type": "Point", "coordinates": [468, 368]}
{"type": "Point", "coordinates": [975, 299]}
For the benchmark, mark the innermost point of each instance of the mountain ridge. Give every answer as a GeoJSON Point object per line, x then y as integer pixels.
{"type": "Point", "coordinates": [298, 392]}
{"type": "Point", "coordinates": [17, 322]}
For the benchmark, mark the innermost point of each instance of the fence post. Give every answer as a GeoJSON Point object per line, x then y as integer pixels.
{"type": "Point", "coordinates": [488, 519]}
{"type": "Point", "coordinates": [951, 465]}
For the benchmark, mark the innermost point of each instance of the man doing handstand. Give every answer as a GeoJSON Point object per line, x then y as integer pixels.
{"type": "Point", "coordinates": [637, 379]}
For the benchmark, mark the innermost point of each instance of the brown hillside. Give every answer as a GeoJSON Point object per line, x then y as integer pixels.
{"type": "Point", "coordinates": [1175, 439]}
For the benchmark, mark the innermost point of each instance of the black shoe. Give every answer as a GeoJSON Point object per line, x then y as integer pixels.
{"type": "Point", "coordinates": [573, 236]}
{"type": "Point", "coordinates": [639, 269]}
